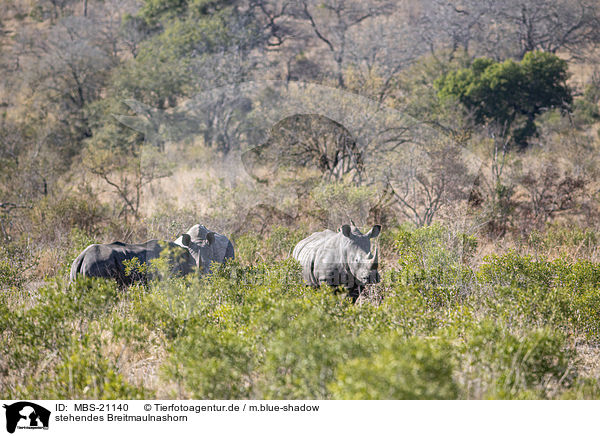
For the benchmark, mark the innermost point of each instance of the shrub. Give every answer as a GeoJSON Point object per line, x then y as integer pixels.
{"type": "Point", "coordinates": [303, 352]}
{"type": "Point", "coordinates": [414, 369]}
{"type": "Point", "coordinates": [502, 364]}
{"type": "Point", "coordinates": [558, 293]}
{"type": "Point", "coordinates": [280, 242]}
{"type": "Point", "coordinates": [84, 374]}
{"type": "Point", "coordinates": [343, 201]}
{"type": "Point", "coordinates": [254, 330]}
{"type": "Point", "coordinates": [434, 259]}
{"type": "Point", "coordinates": [16, 265]}
{"type": "Point", "coordinates": [53, 218]}
{"type": "Point", "coordinates": [37, 337]}
{"type": "Point", "coordinates": [212, 364]}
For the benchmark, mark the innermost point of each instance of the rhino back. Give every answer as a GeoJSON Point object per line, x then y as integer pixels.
{"type": "Point", "coordinates": [320, 255]}
{"type": "Point", "coordinates": [106, 260]}
{"type": "Point", "coordinates": [99, 261]}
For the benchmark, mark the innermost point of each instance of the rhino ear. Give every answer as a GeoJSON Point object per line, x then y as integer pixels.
{"type": "Point", "coordinates": [345, 229]}
{"type": "Point", "coordinates": [374, 232]}
{"type": "Point", "coordinates": [186, 239]}
{"type": "Point", "coordinates": [210, 237]}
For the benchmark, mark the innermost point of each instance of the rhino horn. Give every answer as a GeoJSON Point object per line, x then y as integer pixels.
{"type": "Point", "coordinates": [376, 255]}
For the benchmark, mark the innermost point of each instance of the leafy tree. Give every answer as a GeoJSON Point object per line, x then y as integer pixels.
{"type": "Point", "coordinates": [510, 94]}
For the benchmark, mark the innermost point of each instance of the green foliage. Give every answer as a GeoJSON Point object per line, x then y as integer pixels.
{"type": "Point", "coordinates": [10, 276]}
{"type": "Point", "coordinates": [516, 365]}
{"type": "Point", "coordinates": [166, 67]}
{"type": "Point", "coordinates": [585, 112]}
{"type": "Point", "coordinates": [15, 267]}
{"type": "Point", "coordinates": [305, 349]}
{"type": "Point", "coordinates": [509, 92]}
{"type": "Point", "coordinates": [277, 245]}
{"type": "Point", "coordinates": [247, 247]}
{"type": "Point", "coordinates": [86, 374]}
{"type": "Point", "coordinates": [434, 257]}
{"type": "Point", "coordinates": [417, 94]}
{"type": "Point", "coordinates": [586, 388]}
{"type": "Point", "coordinates": [56, 347]}
{"type": "Point", "coordinates": [545, 293]}
{"type": "Point", "coordinates": [252, 329]}
{"type": "Point", "coordinates": [417, 369]}
{"type": "Point", "coordinates": [213, 364]}
{"type": "Point", "coordinates": [441, 325]}
{"type": "Point", "coordinates": [135, 269]}
{"type": "Point", "coordinates": [167, 307]}
{"type": "Point", "coordinates": [77, 210]}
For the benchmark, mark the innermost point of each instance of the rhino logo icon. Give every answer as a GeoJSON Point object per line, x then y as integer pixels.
{"type": "Point", "coordinates": [24, 414]}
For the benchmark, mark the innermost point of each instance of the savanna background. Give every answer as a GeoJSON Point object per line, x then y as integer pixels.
{"type": "Point", "coordinates": [469, 129]}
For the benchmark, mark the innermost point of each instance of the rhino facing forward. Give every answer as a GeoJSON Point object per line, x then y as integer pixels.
{"type": "Point", "coordinates": [339, 258]}
{"type": "Point", "coordinates": [219, 250]}
{"type": "Point", "coordinates": [187, 254]}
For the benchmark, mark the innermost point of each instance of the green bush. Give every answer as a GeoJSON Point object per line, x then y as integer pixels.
{"type": "Point", "coordinates": [212, 364]}
{"type": "Point", "coordinates": [434, 259]}
{"type": "Point", "coordinates": [58, 327]}
{"type": "Point", "coordinates": [10, 277]}
{"type": "Point", "coordinates": [510, 93]}
{"type": "Point", "coordinates": [507, 365]}
{"type": "Point", "coordinates": [305, 349]}
{"type": "Point", "coordinates": [84, 374]}
{"type": "Point", "coordinates": [16, 265]}
{"type": "Point", "coordinates": [253, 329]}
{"type": "Point", "coordinates": [52, 218]}
{"type": "Point", "coordinates": [417, 369]}
{"type": "Point", "coordinates": [338, 198]}
{"type": "Point", "coordinates": [558, 293]}
{"type": "Point", "coordinates": [564, 239]}
{"type": "Point", "coordinates": [280, 242]}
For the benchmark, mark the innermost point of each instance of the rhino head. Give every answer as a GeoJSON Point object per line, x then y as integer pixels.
{"type": "Point", "coordinates": [362, 262]}
{"type": "Point", "coordinates": [201, 250]}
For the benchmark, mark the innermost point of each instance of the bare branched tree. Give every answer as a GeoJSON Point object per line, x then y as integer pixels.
{"type": "Point", "coordinates": [307, 141]}
{"type": "Point", "coordinates": [510, 28]}
{"type": "Point", "coordinates": [127, 173]}
{"type": "Point", "coordinates": [552, 25]}
{"type": "Point", "coordinates": [331, 22]}
{"type": "Point", "coordinates": [423, 181]}
{"type": "Point", "coordinates": [550, 191]}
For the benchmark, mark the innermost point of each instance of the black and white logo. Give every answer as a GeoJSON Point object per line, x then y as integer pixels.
{"type": "Point", "coordinates": [26, 415]}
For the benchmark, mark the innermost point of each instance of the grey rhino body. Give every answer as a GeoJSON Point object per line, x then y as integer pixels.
{"type": "Point", "coordinates": [106, 260]}
{"type": "Point", "coordinates": [339, 258]}
{"type": "Point", "coordinates": [190, 252]}
{"type": "Point", "coordinates": [220, 250]}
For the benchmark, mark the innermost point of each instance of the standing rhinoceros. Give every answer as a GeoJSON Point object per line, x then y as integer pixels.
{"type": "Point", "coordinates": [219, 250]}
{"type": "Point", "coordinates": [339, 258]}
{"type": "Point", "coordinates": [187, 254]}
